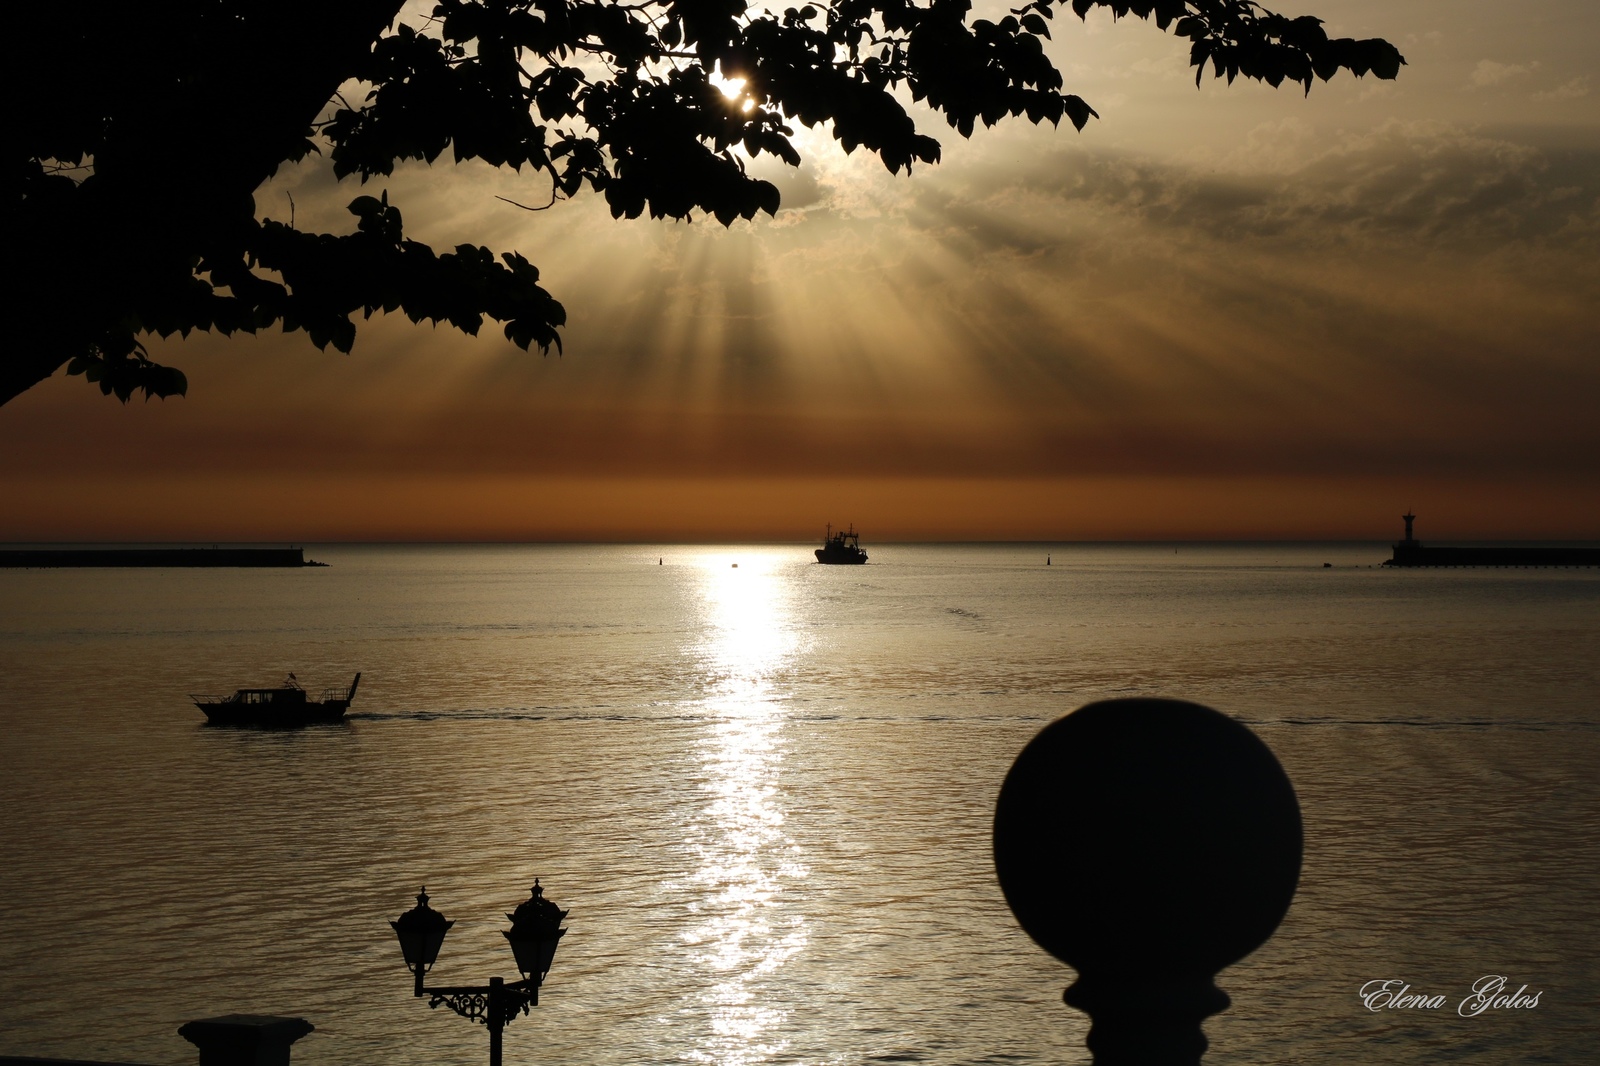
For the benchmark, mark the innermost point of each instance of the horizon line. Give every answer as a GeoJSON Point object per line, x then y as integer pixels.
{"type": "Point", "coordinates": [759, 542]}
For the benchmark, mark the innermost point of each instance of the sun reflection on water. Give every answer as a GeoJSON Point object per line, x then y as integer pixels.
{"type": "Point", "coordinates": [742, 933]}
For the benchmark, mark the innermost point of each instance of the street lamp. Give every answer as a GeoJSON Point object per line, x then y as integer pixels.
{"type": "Point", "coordinates": [535, 931]}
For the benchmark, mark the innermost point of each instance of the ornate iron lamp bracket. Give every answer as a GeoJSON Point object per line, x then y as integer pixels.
{"type": "Point", "coordinates": [482, 1004]}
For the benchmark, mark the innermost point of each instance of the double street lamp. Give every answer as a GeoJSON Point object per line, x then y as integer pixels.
{"type": "Point", "coordinates": [535, 931]}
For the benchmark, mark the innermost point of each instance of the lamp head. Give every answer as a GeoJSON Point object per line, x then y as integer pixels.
{"type": "Point", "coordinates": [421, 932]}
{"type": "Point", "coordinates": [534, 934]}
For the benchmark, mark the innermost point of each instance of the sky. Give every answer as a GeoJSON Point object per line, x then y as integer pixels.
{"type": "Point", "coordinates": [1228, 312]}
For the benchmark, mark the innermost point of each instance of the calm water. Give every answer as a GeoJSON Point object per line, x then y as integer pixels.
{"type": "Point", "coordinates": [765, 794]}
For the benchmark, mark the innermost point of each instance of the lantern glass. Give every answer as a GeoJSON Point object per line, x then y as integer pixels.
{"type": "Point", "coordinates": [534, 954]}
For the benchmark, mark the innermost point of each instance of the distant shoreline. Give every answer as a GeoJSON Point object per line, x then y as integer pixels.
{"type": "Point", "coordinates": [51, 558]}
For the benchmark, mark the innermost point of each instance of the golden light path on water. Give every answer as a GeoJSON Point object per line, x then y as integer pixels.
{"type": "Point", "coordinates": [742, 933]}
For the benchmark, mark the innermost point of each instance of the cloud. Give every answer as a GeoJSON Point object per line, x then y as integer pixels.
{"type": "Point", "coordinates": [1488, 73]}
{"type": "Point", "coordinates": [1434, 183]}
{"type": "Point", "coordinates": [1575, 89]}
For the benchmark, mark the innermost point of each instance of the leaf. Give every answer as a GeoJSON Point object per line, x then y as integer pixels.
{"type": "Point", "coordinates": [343, 335]}
{"type": "Point", "coordinates": [1078, 111]}
{"type": "Point", "coordinates": [164, 381]}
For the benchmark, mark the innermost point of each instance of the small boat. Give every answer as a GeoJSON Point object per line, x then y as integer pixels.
{"type": "Point", "coordinates": [841, 547]}
{"type": "Point", "coordinates": [287, 705]}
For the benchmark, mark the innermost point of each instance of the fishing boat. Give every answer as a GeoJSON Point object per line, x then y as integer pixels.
{"type": "Point", "coordinates": [841, 547]}
{"type": "Point", "coordinates": [287, 705]}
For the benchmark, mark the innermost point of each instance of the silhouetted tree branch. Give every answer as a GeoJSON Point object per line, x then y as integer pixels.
{"type": "Point", "coordinates": [140, 133]}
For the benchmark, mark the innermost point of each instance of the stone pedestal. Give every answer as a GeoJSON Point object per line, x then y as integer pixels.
{"type": "Point", "coordinates": [245, 1039]}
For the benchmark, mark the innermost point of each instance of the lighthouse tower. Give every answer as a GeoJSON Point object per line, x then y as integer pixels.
{"type": "Point", "coordinates": [1408, 552]}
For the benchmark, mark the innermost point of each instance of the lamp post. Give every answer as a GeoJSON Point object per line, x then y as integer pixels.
{"type": "Point", "coordinates": [535, 931]}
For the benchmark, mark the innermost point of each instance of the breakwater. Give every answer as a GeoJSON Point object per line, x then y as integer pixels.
{"type": "Point", "coordinates": [1412, 552]}
{"type": "Point", "coordinates": [1422, 555]}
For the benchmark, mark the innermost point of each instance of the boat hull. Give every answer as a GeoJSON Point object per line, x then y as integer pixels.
{"type": "Point", "coordinates": [270, 717]}
{"type": "Point", "coordinates": [844, 557]}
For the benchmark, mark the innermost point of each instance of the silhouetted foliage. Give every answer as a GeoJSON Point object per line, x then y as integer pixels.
{"type": "Point", "coordinates": [139, 133]}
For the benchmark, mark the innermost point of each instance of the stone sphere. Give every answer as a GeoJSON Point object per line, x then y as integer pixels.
{"type": "Point", "coordinates": [1147, 839]}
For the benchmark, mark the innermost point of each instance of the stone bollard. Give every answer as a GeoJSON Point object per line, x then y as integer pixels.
{"type": "Point", "coordinates": [245, 1039]}
{"type": "Point", "coordinates": [1147, 844]}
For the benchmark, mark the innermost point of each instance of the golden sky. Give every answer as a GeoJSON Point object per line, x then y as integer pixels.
{"type": "Point", "coordinates": [1226, 312]}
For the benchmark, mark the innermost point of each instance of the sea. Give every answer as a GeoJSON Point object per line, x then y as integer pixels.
{"type": "Point", "coordinates": [764, 791]}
